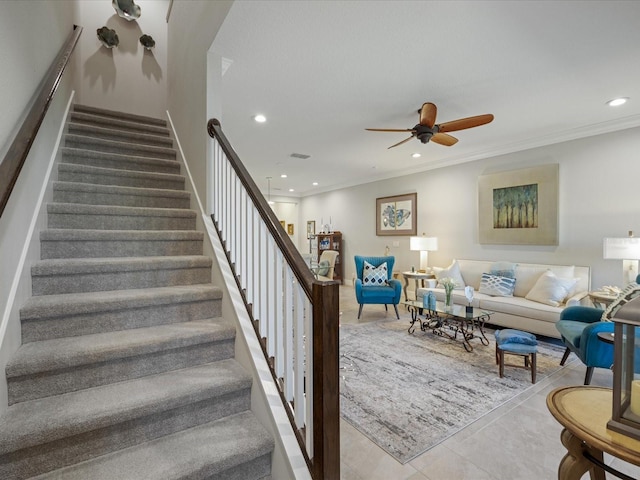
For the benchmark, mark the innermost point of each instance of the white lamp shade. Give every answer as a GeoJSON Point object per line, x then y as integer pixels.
{"type": "Point", "coordinates": [625, 248]}
{"type": "Point", "coordinates": [423, 244]}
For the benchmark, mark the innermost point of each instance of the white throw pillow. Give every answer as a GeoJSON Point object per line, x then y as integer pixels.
{"type": "Point", "coordinates": [375, 275]}
{"type": "Point", "coordinates": [528, 275]}
{"type": "Point", "coordinates": [452, 272]}
{"type": "Point", "coordinates": [551, 290]}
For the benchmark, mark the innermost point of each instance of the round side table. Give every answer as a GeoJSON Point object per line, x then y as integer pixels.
{"type": "Point", "coordinates": [601, 299]}
{"type": "Point", "coordinates": [584, 412]}
{"type": "Point", "coordinates": [416, 276]}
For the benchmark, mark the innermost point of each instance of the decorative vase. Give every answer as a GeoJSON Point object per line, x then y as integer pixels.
{"type": "Point", "coordinates": [447, 298]}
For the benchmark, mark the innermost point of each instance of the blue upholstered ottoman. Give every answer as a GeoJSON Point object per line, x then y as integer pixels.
{"type": "Point", "coordinates": [516, 342]}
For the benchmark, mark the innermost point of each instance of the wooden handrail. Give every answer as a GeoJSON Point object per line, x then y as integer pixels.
{"type": "Point", "coordinates": [19, 150]}
{"type": "Point", "coordinates": [289, 250]}
{"type": "Point", "coordinates": [324, 298]}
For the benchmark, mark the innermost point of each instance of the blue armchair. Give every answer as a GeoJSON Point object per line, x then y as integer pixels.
{"type": "Point", "coordinates": [388, 294]}
{"type": "Point", "coordinates": [579, 327]}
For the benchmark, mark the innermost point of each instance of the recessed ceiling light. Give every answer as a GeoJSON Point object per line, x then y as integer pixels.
{"type": "Point", "coordinates": [617, 101]}
{"type": "Point", "coordinates": [291, 190]}
{"type": "Point", "coordinates": [315, 184]}
{"type": "Point", "coordinates": [284, 175]}
{"type": "Point", "coordinates": [416, 155]}
{"type": "Point", "coordinates": [260, 118]}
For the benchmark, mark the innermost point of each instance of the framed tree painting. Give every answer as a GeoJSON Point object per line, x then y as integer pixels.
{"type": "Point", "coordinates": [397, 215]}
{"type": "Point", "coordinates": [519, 207]}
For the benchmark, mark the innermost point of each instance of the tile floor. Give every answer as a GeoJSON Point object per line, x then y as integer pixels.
{"type": "Point", "coordinates": [518, 441]}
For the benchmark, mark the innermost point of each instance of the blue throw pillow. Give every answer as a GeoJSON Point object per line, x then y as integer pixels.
{"type": "Point", "coordinates": [323, 268]}
{"type": "Point", "coordinates": [503, 269]}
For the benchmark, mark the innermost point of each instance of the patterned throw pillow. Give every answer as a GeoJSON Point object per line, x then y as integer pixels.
{"type": "Point", "coordinates": [375, 275]}
{"type": "Point", "coordinates": [497, 286]}
{"type": "Point", "coordinates": [630, 292]}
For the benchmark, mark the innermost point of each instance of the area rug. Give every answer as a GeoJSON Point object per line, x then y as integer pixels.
{"type": "Point", "coordinates": [409, 392]}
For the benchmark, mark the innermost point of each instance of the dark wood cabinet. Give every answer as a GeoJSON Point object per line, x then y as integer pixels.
{"type": "Point", "coordinates": [328, 241]}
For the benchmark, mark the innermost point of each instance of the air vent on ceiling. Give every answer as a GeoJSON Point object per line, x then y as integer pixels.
{"type": "Point", "coordinates": [300, 155]}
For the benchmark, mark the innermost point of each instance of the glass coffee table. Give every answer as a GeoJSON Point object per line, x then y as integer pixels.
{"type": "Point", "coordinates": [450, 322]}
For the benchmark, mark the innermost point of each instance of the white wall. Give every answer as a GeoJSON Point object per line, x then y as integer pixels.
{"type": "Point", "coordinates": [598, 198]}
{"type": "Point", "coordinates": [192, 27]}
{"type": "Point", "coordinates": [31, 34]}
{"type": "Point", "coordinates": [23, 68]}
{"type": "Point", "coordinates": [128, 77]}
{"type": "Point", "coordinates": [287, 210]}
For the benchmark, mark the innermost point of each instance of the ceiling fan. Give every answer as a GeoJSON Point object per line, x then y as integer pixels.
{"type": "Point", "coordinates": [427, 129]}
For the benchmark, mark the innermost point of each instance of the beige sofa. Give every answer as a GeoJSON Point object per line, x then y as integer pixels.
{"type": "Point", "coordinates": [516, 311]}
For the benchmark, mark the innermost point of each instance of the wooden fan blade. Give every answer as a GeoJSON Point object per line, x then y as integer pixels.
{"type": "Point", "coordinates": [464, 123]}
{"type": "Point", "coordinates": [390, 129]}
{"type": "Point", "coordinates": [400, 143]}
{"type": "Point", "coordinates": [444, 139]}
{"type": "Point", "coordinates": [428, 114]}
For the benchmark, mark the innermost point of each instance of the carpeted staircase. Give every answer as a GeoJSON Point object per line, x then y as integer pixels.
{"type": "Point", "coordinates": [126, 370]}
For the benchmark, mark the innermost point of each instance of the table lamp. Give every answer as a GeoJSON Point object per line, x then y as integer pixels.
{"type": "Point", "coordinates": [424, 245]}
{"type": "Point", "coordinates": [626, 249]}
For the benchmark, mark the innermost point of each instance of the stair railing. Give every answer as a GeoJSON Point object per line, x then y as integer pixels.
{"type": "Point", "coordinates": [19, 149]}
{"type": "Point", "coordinates": [296, 316]}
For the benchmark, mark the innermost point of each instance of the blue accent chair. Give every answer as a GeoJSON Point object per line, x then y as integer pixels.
{"type": "Point", "coordinates": [386, 295]}
{"type": "Point", "coordinates": [579, 327]}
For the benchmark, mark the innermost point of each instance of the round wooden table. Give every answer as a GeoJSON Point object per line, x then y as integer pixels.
{"type": "Point", "coordinates": [602, 299]}
{"type": "Point", "coordinates": [584, 411]}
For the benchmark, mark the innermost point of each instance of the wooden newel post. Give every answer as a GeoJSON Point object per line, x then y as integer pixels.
{"type": "Point", "coordinates": [326, 386]}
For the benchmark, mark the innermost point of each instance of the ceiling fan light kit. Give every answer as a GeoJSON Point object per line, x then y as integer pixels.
{"type": "Point", "coordinates": [427, 130]}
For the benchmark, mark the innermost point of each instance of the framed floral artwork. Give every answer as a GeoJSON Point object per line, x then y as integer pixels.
{"type": "Point", "coordinates": [397, 215]}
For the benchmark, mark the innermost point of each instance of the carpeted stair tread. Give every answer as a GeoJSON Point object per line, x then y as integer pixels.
{"type": "Point", "coordinates": [119, 115]}
{"type": "Point", "coordinates": [73, 314]}
{"type": "Point", "coordinates": [34, 422]}
{"type": "Point", "coordinates": [117, 161]}
{"type": "Point", "coordinates": [125, 264]}
{"type": "Point", "coordinates": [117, 123]}
{"type": "Point", "coordinates": [91, 143]}
{"type": "Point", "coordinates": [111, 300]}
{"type": "Point", "coordinates": [199, 452]}
{"type": "Point", "coordinates": [113, 217]}
{"type": "Point", "coordinates": [62, 353]}
{"type": "Point", "coordinates": [79, 243]}
{"type": "Point", "coordinates": [67, 234]}
{"type": "Point", "coordinates": [54, 276]}
{"type": "Point", "coordinates": [106, 133]}
{"type": "Point", "coordinates": [95, 194]}
{"type": "Point", "coordinates": [115, 176]}
{"type": "Point", "coordinates": [117, 210]}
